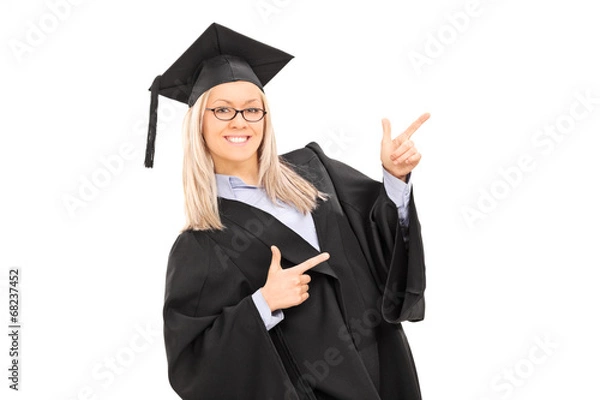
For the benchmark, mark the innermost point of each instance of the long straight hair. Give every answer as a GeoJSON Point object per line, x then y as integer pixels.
{"type": "Point", "coordinates": [280, 181]}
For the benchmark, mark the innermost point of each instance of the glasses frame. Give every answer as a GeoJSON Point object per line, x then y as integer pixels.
{"type": "Point", "coordinates": [241, 112]}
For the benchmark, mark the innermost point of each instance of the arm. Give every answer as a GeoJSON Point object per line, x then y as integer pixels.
{"type": "Point", "coordinates": [270, 319]}
{"type": "Point", "coordinates": [373, 217]}
{"type": "Point", "coordinates": [213, 330]}
{"type": "Point", "coordinates": [399, 192]}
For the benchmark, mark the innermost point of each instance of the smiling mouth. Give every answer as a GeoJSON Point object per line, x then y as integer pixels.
{"type": "Point", "coordinates": [237, 139]}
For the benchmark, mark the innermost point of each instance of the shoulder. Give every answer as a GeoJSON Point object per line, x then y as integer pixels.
{"type": "Point", "coordinates": [312, 157]}
{"type": "Point", "coordinates": [339, 172]}
{"type": "Point", "coordinates": [312, 151]}
{"type": "Point", "coordinates": [189, 263]}
{"type": "Point", "coordinates": [189, 244]}
{"type": "Point", "coordinates": [186, 239]}
{"type": "Point", "coordinates": [303, 155]}
{"type": "Point", "coordinates": [352, 188]}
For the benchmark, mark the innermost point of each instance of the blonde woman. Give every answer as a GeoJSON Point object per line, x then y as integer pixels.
{"type": "Point", "coordinates": [293, 273]}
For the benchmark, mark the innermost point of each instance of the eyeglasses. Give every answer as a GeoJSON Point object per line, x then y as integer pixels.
{"type": "Point", "coordinates": [249, 114]}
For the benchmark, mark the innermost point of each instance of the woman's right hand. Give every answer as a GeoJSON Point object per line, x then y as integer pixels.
{"type": "Point", "coordinates": [288, 287]}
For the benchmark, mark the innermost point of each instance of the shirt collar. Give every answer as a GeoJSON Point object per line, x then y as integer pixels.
{"type": "Point", "coordinates": [227, 183]}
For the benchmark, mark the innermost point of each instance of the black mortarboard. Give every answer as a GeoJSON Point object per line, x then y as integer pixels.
{"type": "Point", "coordinates": [219, 55]}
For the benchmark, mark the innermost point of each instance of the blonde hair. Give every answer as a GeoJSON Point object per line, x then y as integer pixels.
{"type": "Point", "coordinates": [280, 181]}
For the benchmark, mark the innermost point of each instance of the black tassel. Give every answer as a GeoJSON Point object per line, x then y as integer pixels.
{"type": "Point", "coordinates": [149, 161]}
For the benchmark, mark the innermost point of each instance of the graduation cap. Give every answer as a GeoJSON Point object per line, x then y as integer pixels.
{"type": "Point", "coordinates": [218, 56]}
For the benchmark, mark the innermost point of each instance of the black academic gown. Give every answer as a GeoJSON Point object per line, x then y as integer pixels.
{"type": "Point", "coordinates": [344, 342]}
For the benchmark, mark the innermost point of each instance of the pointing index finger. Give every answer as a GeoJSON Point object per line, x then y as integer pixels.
{"type": "Point", "coordinates": [414, 126]}
{"type": "Point", "coordinates": [311, 262]}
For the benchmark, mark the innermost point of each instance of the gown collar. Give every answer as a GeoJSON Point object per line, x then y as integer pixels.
{"type": "Point", "coordinates": [293, 247]}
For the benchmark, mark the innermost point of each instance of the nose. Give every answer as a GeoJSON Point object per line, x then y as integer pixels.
{"type": "Point", "coordinates": [238, 120]}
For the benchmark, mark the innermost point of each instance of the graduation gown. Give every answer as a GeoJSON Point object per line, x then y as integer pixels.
{"type": "Point", "coordinates": [344, 342]}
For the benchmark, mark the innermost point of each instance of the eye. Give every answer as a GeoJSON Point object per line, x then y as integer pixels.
{"type": "Point", "coordinates": [222, 110]}
{"type": "Point", "coordinates": [253, 110]}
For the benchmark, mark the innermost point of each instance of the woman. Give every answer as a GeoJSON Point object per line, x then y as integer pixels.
{"type": "Point", "coordinates": [293, 272]}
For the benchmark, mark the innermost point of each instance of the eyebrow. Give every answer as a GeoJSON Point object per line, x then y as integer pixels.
{"type": "Point", "coordinates": [229, 102]}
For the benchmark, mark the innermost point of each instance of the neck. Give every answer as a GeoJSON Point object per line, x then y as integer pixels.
{"type": "Point", "coordinates": [248, 173]}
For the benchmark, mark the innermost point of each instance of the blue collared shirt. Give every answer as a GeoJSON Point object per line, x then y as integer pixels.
{"type": "Point", "coordinates": [233, 188]}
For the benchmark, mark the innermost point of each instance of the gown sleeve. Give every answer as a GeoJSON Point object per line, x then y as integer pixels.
{"type": "Point", "coordinates": [373, 218]}
{"type": "Point", "coordinates": [399, 192]}
{"type": "Point", "coordinates": [213, 332]}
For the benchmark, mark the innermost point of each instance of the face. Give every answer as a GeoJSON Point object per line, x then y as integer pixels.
{"type": "Point", "coordinates": [233, 144]}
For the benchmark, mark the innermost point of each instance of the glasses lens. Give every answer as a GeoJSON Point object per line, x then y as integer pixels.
{"type": "Point", "coordinates": [253, 114]}
{"type": "Point", "coordinates": [224, 113]}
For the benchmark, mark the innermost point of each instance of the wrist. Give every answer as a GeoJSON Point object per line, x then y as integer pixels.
{"type": "Point", "coordinates": [265, 295]}
{"type": "Point", "coordinates": [403, 178]}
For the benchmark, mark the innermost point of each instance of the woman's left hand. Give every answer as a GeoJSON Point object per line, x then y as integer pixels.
{"type": "Point", "coordinates": [399, 156]}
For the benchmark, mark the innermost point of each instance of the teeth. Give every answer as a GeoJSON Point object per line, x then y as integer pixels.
{"type": "Point", "coordinates": [237, 139]}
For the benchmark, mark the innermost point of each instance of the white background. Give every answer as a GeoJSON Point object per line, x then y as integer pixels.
{"type": "Point", "coordinates": [519, 272]}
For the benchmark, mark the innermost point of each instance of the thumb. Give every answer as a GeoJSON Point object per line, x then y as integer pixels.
{"type": "Point", "coordinates": [275, 260]}
{"type": "Point", "coordinates": [387, 130]}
